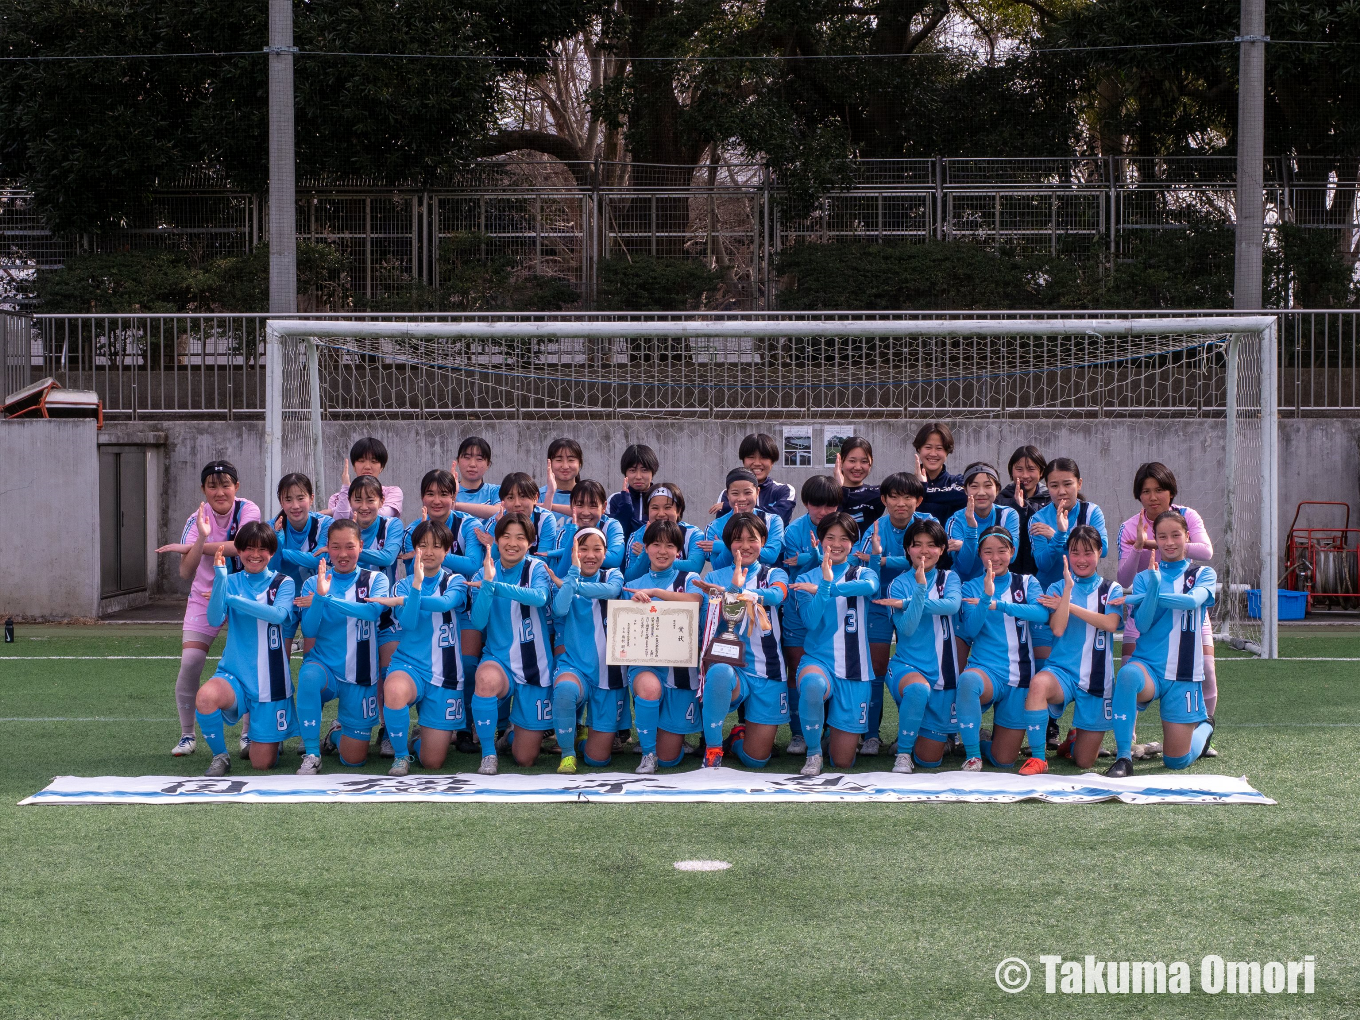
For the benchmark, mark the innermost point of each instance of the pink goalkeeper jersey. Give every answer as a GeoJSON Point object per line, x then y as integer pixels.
{"type": "Point", "coordinates": [1199, 548]}
{"type": "Point", "coordinates": [243, 511]}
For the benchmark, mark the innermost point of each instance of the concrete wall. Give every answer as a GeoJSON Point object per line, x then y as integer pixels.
{"type": "Point", "coordinates": [49, 506]}
{"type": "Point", "coordinates": [1319, 457]}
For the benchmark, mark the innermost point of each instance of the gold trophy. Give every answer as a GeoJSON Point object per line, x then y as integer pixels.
{"type": "Point", "coordinates": [726, 647]}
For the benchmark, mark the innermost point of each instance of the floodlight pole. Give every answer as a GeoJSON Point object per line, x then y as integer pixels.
{"type": "Point", "coordinates": [282, 172]}
{"type": "Point", "coordinates": [1251, 93]}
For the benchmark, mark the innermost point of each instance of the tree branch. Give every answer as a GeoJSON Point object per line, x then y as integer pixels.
{"type": "Point", "coordinates": [540, 141]}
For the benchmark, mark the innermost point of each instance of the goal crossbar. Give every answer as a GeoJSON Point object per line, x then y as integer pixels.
{"type": "Point", "coordinates": [1235, 327]}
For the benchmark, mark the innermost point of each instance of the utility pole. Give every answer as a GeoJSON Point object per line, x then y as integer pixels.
{"type": "Point", "coordinates": [1251, 101]}
{"type": "Point", "coordinates": [282, 168]}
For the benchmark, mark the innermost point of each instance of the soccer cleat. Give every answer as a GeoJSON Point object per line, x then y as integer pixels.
{"type": "Point", "coordinates": [903, 765]}
{"type": "Point", "coordinates": [488, 765]}
{"type": "Point", "coordinates": [1209, 751]}
{"type": "Point", "coordinates": [797, 745]}
{"type": "Point", "coordinates": [972, 765]}
{"type": "Point", "coordinates": [954, 745]}
{"type": "Point", "coordinates": [713, 758]}
{"type": "Point", "coordinates": [465, 744]}
{"type": "Point", "coordinates": [871, 746]}
{"type": "Point", "coordinates": [329, 746]}
{"type": "Point", "coordinates": [1051, 734]}
{"type": "Point", "coordinates": [401, 766]}
{"type": "Point", "coordinates": [220, 766]}
{"type": "Point", "coordinates": [1142, 752]}
{"type": "Point", "coordinates": [502, 742]}
{"type": "Point", "coordinates": [311, 765]}
{"type": "Point", "coordinates": [1064, 749]}
{"type": "Point", "coordinates": [1034, 767]}
{"type": "Point", "coordinates": [385, 749]}
{"type": "Point", "coordinates": [245, 746]}
{"type": "Point", "coordinates": [812, 767]}
{"type": "Point", "coordinates": [185, 746]}
{"type": "Point", "coordinates": [567, 766]}
{"type": "Point", "coordinates": [1121, 769]}
{"type": "Point", "coordinates": [738, 733]}
{"type": "Point", "coordinates": [647, 766]}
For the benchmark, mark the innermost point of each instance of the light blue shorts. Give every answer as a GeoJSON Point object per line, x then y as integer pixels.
{"type": "Point", "coordinates": [680, 712]}
{"type": "Point", "coordinates": [608, 709]}
{"type": "Point", "coordinates": [792, 633]}
{"type": "Point", "coordinates": [271, 722]}
{"type": "Point", "coordinates": [532, 708]}
{"type": "Point", "coordinates": [941, 718]}
{"type": "Point", "coordinates": [1182, 701]}
{"type": "Point", "coordinates": [440, 708]}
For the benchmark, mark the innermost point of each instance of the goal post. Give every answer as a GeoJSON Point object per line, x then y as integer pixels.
{"type": "Point", "coordinates": [1148, 371]}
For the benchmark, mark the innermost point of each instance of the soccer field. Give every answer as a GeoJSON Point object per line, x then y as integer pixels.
{"type": "Point", "coordinates": [573, 911]}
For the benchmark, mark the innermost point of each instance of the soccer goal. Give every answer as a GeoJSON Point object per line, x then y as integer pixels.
{"type": "Point", "coordinates": [1129, 389]}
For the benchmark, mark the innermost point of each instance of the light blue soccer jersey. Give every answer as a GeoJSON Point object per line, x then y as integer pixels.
{"type": "Point", "coordinates": [836, 618]}
{"type": "Point", "coordinates": [798, 545]}
{"type": "Point", "coordinates": [544, 545]}
{"type": "Point", "coordinates": [299, 550]}
{"type": "Point", "coordinates": [581, 612]}
{"type": "Point", "coordinates": [383, 540]}
{"type": "Point", "coordinates": [721, 556]}
{"type": "Point", "coordinates": [344, 626]}
{"type": "Point", "coordinates": [1049, 552]}
{"type": "Point", "coordinates": [892, 540]}
{"type": "Point", "coordinates": [429, 623]}
{"type": "Point", "coordinates": [1083, 651]}
{"type": "Point", "coordinates": [966, 560]}
{"type": "Point", "coordinates": [560, 559]}
{"type": "Point", "coordinates": [638, 562]}
{"type": "Point", "coordinates": [255, 607]}
{"type": "Point", "coordinates": [1171, 645]}
{"type": "Point", "coordinates": [460, 558]}
{"type": "Point", "coordinates": [925, 627]}
{"type": "Point", "coordinates": [999, 639]}
{"type": "Point", "coordinates": [675, 579]}
{"type": "Point", "coordinates": [764, 657]}
{"type": "Point", "coordinates": [486, 494]}
{"type": "Point", "coordinates": [512, 611]}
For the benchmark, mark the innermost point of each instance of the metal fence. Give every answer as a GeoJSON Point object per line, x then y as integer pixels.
{"type": "Point", "coordinates": [534, 218]}
{"type": "Point", "coordinates": [212, 367]}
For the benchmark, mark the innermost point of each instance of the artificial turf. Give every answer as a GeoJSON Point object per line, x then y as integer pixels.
{"type": "Point", "coordinates": [576, 911]}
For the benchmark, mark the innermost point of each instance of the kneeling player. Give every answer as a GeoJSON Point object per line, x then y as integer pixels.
{"type": "Point", "coordinates": [1168, 664]}
{"type": "Point", "coordinates": [835, 673]}
{"type": "Point", "coordinates": [923, 671]}
{"type": "Point", "coordinates": [998, 611]}
{"type": "Point", "coordinates": [254, 676]}
{"type": "Point", "coordinates": [581, 611]}
{"type": "Point", "coordinates": [760, 685]}
{"type": "Point", "coordinates": [517, 657]}
{"type": "Point", "coordinates": [665, 701]}
{"type": "Point", "coordinates": [427, 667]}
{"type": "Point", "coordinates": [1080, 669]}
{"type": "Point", "coordinates": [343, 661]}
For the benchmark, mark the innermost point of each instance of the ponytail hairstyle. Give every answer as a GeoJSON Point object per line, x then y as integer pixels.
{"type": "Point", "coordinates": [672, 492]}
{"type": "Point", "coordinates": [346, 524]}
{"type": "Point", "coordinates": [1170, 515]}
{"type": "Point", "coordinates": [438, 479]}
{"type": "Point", "coordinates": [295, 480]}
{"type": "Point", "coordinates": [1062, 464]}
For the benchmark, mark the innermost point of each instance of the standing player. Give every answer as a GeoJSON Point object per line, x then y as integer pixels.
{"type": "Point", "coordinates": [342, 663]}
{"type": "Point", "coordinates": [638, 466]}
{"type": "Point", "coordinates": [924, 668]}
{"type": "Point", "coordinates": [1171, 598]}
{"type": "Point", "coordinates": [821, 496]}
{"type": "Point", "coordinates": [934, 443]}
{"type": "Point", "coordinates": [510, 608]}
{"type": "Point", "coordinates": [881, 547]}
{"type": "Point", "coordinates": [588, 503]}
{"type": "Point", "coordinates": [438, 492]}
{"type": "Point", "coordinates": [858, 499]}
{"type": "Point", "coordinates": [665, 701]}
{"type": "Point", "coordinates": [1026, 495]}
{"type": "Point", "coordinates": [427, 669]}
{"type": "Point", "coordinates": [835, 674]}
{"type": "Point", "coordinates": [760, 685]}
{"type": "Point", "coordinates": [999, 609]}
{"type": "Point", "coordinates": [1050, 527]}
{"type": "Point", "coordinates": [758, 453]}
{"type": "Point", "coordinates": [581, 613]}
{"type": "Point", "coordinates": [302, 534]}
{"type": "Point", "coordinates": [1085, 614]}
{"type": "Point", "coordinates": [743, 491]}
{"type": "Point", "coordinates": [211, 527]}
{"type": "Point", "coordinates": [980, 484]}
{"type": "Point", "coordinates": [254, 677]}
{"type": "Point", "coordinates": [382, 536]}
{"type": "Point", "coordinates": [519, 495]}
{"type": "Point", "coordinates": [1154, 486]}
{"type": "Point", "coordinates": [564, 471]}
{"type": "Point", "coordinates": [476, 496]}
{"type": "Point", "coordinates": [369, 457]}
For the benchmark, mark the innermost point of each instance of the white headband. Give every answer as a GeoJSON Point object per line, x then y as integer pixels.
{"type": "Point", "coordinates": [660, 491]}
{"type": "Point", "coordinates": [591, 531]}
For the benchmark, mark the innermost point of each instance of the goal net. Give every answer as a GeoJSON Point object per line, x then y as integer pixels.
{"type": "Point", "coordinates": [1197, 394]}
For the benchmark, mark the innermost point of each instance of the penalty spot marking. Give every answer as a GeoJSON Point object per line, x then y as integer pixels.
{"type": "Point", "coordinates": [702, 865]}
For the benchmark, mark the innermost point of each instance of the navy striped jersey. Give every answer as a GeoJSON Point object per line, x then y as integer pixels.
{"type": "Point", "coordinates": [516, 628]}
{"type": "Point", "coordinates": [1084, 651]}
{"type": "Point", "coordinates": [255, 652]}
{"type": "Point", "coordinates": [764, 657]}
{"type": "Point", "coordinates": [429, 627]}
{"type": "Point", "coordinates": [345, 625]}
{"type": "Point", "coordinates": [1172, 645]}
{"type": "Point", "coordinates": [836, 618]}
{"type": "Point", "coordinates": [925, 627]}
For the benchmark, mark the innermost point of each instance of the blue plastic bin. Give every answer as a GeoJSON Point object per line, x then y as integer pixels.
{"type": "Point", "coordinates": [1290, 605]}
